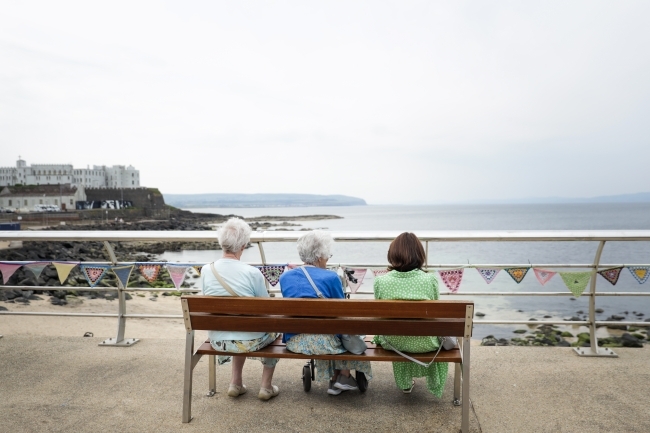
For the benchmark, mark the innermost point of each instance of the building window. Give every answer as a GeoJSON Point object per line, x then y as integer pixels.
{"type": "Point", "coordinates": [132, 183]}
{"type": "Point", "coordinates": [9, 202]}
{"type": "Point", "coordinates": [56, 201]}
{"type": "Point", "coordinates": [25, 202]}
{"type": "Point", "coordinates": [71, 201]}
{"type": "Point", "coordinates": [40, 201]}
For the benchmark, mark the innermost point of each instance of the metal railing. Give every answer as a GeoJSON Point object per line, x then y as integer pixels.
{"type": "Point", "coordinates": [427, 237]}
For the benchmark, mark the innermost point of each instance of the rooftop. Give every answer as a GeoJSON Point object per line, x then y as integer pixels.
{"type": "Point", "coordinates": [38, 190]}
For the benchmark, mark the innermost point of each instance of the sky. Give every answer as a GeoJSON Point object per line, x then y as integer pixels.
{"type": "Point", "coordinates": [394, 102]}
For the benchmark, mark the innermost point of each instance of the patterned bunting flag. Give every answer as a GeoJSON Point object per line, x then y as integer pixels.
{"type": "Point", "coordinates": [36, 268]}
{"type": "Point", "coordinates": [149, 272]}
{"type": "Point", "coordinates": [452, 278]}
{"type": "Point", "coordinates": [63, 269]}
{"type": "Point", "coordinates": [640, 273]}
{"type": "Point", "coordinates": [611, 274]}
{"type": "Point", "coordinates": [576, 282]}
{"type": "Point", "coordinates": [380, 272]}
{"type": "Point", "coordinates": [488, 274]}
{"type": "Point", "coordinates": [543, 275]}
{"type": "Point", "coordinates": [123, 273]}
{"type": "Point", "coordinates": [354, 277]}
{"type": "Point", "coordinates": [517, 274]}
{"type": "Point", "coordinates": [177, 274]}
{"type": "Point", "coordinates": [272, 273]}
{"type": "Point", "coordinates": [197, 269]}
{"type": "Point", "coordinates": [8, 270]}
{"type": "Point", "coordinates": [94, 273]}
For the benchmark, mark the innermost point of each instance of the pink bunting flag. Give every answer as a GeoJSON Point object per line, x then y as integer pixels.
{"type": "Point", "coordinates": [488, 274]}
{"type": "Point", "coordinates": [272, 273]}
{"type": "Point", "coordinates": [380, 272]}
{"type": "Point", "coordinates": [177, 274]}
{"type": "Point", "coordinates": [354, 277]}
{"type": "Point", "coordinates": [452, 278]}
{"type": "Point", "coordinates": [292, 266]}
{"type": "Point", "coordinates": [543, 275]}
{"type": "Point", "coordinates": [149, 272]}
{"type": "Point", "coordinates": [8, 270]}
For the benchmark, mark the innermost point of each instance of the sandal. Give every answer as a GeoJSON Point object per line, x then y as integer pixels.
{"type": "Point", "coordinates": [408, 390]}
{"type": "Point", "coordinates": [268, 394]}
{"type": "Point", "coordinates": [236, 391]}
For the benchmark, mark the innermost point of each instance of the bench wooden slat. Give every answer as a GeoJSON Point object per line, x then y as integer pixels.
{"type": "Point", "coordinates": [278, 350]}
{"type": "Point", "coordinates": [341, 325]}
{"type": "Point", "coordinates": [331, 308]}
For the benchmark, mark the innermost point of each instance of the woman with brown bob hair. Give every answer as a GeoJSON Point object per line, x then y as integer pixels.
{"type": "Point", "coordinates": [406, 280]}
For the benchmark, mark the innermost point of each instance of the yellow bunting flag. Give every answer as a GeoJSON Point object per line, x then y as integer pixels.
{"type": "Point", "coordinates": [63, 269]}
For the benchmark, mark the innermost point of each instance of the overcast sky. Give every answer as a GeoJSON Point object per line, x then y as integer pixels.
{"type": "Point", "coordinates": [394, 102]}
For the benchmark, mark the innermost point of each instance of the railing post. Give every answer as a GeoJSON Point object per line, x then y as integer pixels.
{"type": "Point", "coordinates": [118, 341]}
{"type": "Point", "coordinates": [263, 257]}
{"type": "Point", "coordinates": [594, 350]}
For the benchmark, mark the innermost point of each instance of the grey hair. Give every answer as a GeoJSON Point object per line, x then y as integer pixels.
{"type": "Point", "coordinates": [314, 245]}
{"type": "Point", "coordinates": [234, 235]}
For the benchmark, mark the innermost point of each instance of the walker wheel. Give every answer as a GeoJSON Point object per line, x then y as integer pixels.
{"type": "Point", "coordinates": [362, 382]}
{"type": "Point", "coordinates": [306, 377]}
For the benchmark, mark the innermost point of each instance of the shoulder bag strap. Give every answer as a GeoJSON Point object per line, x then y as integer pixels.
{"type": "Point", "coordinates": [318, 293]}
{"type": "Point", "coordinates": [410, 358]}
{"type": "Point", "coordinates": [222, 281]}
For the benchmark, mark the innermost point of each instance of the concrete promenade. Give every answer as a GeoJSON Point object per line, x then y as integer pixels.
{"type": "Point", "coordinates": [60, 384]}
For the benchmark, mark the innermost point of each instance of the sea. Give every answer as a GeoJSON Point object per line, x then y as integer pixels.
{"type": "Point", "coordinates": [583, 216]}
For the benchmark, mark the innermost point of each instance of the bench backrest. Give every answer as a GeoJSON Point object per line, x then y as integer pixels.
{"type": "Point", "coordinates": [329, 316]}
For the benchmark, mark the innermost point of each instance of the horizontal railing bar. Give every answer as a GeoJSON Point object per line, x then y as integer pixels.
{"type": "Point", "coordinates": [530, 322]}
{"type": "Point", "coordinates": [37, 313]}
{"type": "Point", "coordinates": [343, 236]}
{"type": "Point", "coordinates": [97, 289]}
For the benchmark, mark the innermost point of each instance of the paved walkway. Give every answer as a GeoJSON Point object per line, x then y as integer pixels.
{"type": "Point", "coordinates": [54, 384]}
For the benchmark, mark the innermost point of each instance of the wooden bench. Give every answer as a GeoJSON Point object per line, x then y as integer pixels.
{"type": "Point", "coordinates": [330, 316]}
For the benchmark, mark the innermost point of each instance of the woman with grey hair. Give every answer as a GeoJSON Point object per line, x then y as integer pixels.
{"type": "Point", "coordinates": [314, 249]}
{"type": "Point", "coordinates": [228, 276]}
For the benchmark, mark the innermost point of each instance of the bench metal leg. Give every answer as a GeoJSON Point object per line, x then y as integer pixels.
{"type": "Point", "coordinates": [187, 386]}
{"type": "Point", "coordinates": [457, 382]}
{"type": "Point", "coordinates": [464, 426]}
{"type": "Point", "coordinates": [212, 375]}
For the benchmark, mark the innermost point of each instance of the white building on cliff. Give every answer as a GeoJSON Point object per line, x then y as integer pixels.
{"type": "Point", "coordinates": [117, 176]}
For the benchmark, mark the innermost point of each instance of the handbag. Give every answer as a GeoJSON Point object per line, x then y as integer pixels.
{"type": "Point", "coordinates": [352, 343]}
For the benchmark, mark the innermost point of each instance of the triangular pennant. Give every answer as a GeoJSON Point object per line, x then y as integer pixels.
{"type": "Point", "coordinates": [272, 273]}
{"type": "Point", "coordinates": [94, 273]}
{"type": "Point", "coordinates": [640, 273]}
{"type": "Point", "coordinates": [197, 269]}
{"type": "Point", "coordinates": [380, 272]}
{"type": "Point", "coordinates": [354, 277]}
{"type": "Point", "coordinates": [123, 273]}
{"type": "Point", "coordinates": [611, 274]}
{"type": "Point", "coordinates": [576, 282]}
{"type": "Point", "coordinates": [543, 275]}
{"type": "Point", "coordinates": [292, 266]}
{"type": "Point", "coordinates": [149, 272]}
{"type": "Point", "coordinates": [452, 278]}
{"type": "Point", "coordinates": [488, 274]}
{"type": "Point", "coordinates": [63, 269]}
{"type": "Point", "coordinates": [36, 268]}
{"type": "Point", "coordinates": [177, 274]}
{"type": "Point", "coordinates": [517, 274]}
{"type": "Point", "coordinates": [8, 270]}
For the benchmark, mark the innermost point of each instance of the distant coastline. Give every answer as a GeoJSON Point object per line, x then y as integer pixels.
{"type": "Point", "coordinates": [260, 200]}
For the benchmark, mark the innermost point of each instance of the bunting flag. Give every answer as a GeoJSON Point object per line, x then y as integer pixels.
{"type": "Point", "coordinates": [354, 277]}
{"type": "Point", "coordinates": [380, 272]}
{"type": "Point", "coordinates": [94, 273]}
{"type": "Point", "coordinates": [123, 273]}
{"type": "Point", "coordinates": [272, 273]}
{"type": "Point", "coordinates": [63, 269]}
{"type": "Point", "coordinates": [8, 270]}
{"type": "Point", "coordinates": [177, 274]}
{"type": "Point", "coordinates": [640, 273]}
{"type": "Point", "coordinates": [517, 274]}
{"type": "Point", "coordinates": [611, 274]}
{"type": "Point", "coordinates": [576, 282]}
{"type": "Point", "coordinates": [36, 268]}
{"type": "Point", "coordinates": [488, 274]}
{"type": "Point", "coordinates": [198, 268]}
{"type": "Point", "coordinates": [292, 266]}
{"type": "Point", "coordinates": [543, 275]}
{"type": "Point", "coordinates": [149, 272]}
{"type": "Point", "coordinates": [452, 278]}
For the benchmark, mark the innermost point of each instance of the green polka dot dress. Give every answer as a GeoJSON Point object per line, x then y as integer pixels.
{"type": "Point", "coordinates": [415, 285]}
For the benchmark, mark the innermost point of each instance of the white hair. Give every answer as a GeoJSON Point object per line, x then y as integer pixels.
{"type": "Point", "coordinates": [234, 235]}
{"type": "Point", "coordinates": [314, 245]}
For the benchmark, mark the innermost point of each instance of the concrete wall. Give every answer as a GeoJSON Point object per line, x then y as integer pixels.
{"type": "Point", "coordinates": [142, 198]}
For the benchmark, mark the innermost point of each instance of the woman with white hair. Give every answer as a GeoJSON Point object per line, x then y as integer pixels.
{"type": "Point", "coordinates": [314, 249]}
{"type": "Point", "coordinates": [228, 276]}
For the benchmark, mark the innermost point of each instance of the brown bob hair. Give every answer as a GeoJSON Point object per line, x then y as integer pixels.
{"type": "Point", "coordinates": [406, 253]}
